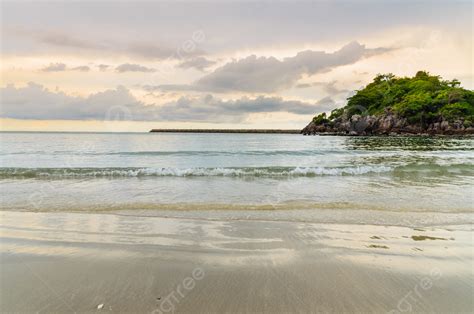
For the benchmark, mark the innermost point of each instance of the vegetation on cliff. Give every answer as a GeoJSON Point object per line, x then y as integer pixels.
{"type": "Point", "coordinates": [423, 101]}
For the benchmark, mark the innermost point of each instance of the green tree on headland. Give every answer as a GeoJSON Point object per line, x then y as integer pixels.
{"type": "Point", "coordinates": [423, 98]}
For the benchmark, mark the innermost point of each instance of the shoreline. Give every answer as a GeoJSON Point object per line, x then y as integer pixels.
{"type": "Point", "coordinates": [329, 216]}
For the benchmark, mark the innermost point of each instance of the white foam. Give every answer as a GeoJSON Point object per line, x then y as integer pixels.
{"type": "Point", "coordinates": [195, 172]}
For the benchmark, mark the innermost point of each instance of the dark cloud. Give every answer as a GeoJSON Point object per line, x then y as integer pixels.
{"type": "Point", "coordinates": [268, 74]}
{"type": "Point", "coordinates": [54, 67]}
{"type": "Point", "coordinates": [129, 67]}
{"type": "Point", "coordinates": [199, 63]}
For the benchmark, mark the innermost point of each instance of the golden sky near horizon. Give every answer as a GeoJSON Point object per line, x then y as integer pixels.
{"type": "Point", "coordinates": [123, 66]}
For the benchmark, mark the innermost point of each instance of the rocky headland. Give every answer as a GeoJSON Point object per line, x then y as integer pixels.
{"type": "Point", "coordinates": [422, 105]}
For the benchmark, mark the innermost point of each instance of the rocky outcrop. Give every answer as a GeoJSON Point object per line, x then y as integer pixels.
{"type": "Point", "coordinates": [385, 124]}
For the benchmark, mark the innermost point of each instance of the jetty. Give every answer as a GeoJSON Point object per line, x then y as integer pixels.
{"type": "Point", "coordinates": [255, 131]}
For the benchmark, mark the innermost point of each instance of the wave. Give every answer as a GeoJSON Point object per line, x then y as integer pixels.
{"type": "Point", "coordinates": [464, 169]}
{"type": "Point", "coordinates": [189, 172]}
{"type": "Point", "coordinates": [423, 169]}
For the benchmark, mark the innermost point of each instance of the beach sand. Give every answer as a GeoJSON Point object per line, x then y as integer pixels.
{"type": "Point", "coordinates": [72, 262]}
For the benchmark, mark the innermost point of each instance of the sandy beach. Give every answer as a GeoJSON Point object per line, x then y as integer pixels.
{"type": "Point", "coordinates": [74, 262]}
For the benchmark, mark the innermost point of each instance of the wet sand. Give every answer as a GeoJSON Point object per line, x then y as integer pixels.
{"type": "Point", "coordinates": [71, 262]}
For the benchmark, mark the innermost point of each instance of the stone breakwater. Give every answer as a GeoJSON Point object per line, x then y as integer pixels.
{"type": "Point", "coordinates": [386, 124]}
{"type": "Point", "coordinates": [248, 131]}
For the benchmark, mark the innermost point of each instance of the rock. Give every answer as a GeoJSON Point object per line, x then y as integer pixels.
{"type": "Point", "coordinates": [444, 125]}
{"type": "Point", "coordinates": [388, 123]}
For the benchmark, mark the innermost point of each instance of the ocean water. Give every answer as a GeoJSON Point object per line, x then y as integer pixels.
{"type": "Point", "coordinates": [269, 176]}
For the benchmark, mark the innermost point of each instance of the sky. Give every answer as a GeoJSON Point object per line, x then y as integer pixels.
{"type": "Point", "coordinates": [128, 66]}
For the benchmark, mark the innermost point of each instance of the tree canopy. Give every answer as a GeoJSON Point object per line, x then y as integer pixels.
{"type": "Point", "coordinates": [423, 98]}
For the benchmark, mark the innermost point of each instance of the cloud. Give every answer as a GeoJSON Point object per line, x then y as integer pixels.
{"type": "Point", "coordinates": [103, 67]}
{"type": "Point", "coordinates": [328, 87]}
{"type": "Point", "coordinates": [303, 85]}
{"type": "Point", "coordinates": [82, 68]}
{"type": "Point", "coordinates": [34, 101]}
{"type": "Point", "coordinates": [184, 50]}
{"type": "Point", "coordinates": [170, 88]}
{"type": "Point", "coordinates": [199, 63]}
{"type": "Point", "coordinates": [61, 67]}
{"type": "Point", "coordinates": [331, 88]}
{"type": "Point", "coordinates": [128, 67]}
{"type": "Point", "coordinates": [268, 74]}
{"type": "Point", "coordinates": [54, 67]}
{"type": "Point", "coordinates": [125, 47]}
{"type": "Point", "coordinates": [211, 109]}
{"type": "Point", "coordinates": [262, 74]}
{"type": "Point", "coordinates": [60, 39]}
{"type": "Point", "coordinates": [325, 104]}
{"type": "Point", "coordinates": [228, 23]}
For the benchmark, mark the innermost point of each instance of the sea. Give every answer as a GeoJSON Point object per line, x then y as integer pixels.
{"type": "Point", "coordinates": [379, 180]}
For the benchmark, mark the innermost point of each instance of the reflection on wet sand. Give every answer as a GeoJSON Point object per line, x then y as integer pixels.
{"type": "Point", "coordinates": [299, 262]}
{"type": "Point", "coordinates": [78, 233]}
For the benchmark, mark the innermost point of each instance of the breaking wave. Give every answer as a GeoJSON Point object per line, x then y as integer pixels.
{"type": "Point", "coordinates": [423, 169]}
{"type": "Point", "coordinates": [189, 172]}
